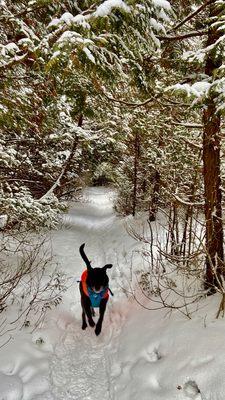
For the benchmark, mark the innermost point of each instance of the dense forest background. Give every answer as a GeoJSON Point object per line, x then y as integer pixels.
{"type": "Point", "coordinates": [122, 93]}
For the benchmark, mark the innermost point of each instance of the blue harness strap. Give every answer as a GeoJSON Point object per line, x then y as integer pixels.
{"type": "Point", "coordinates": [96, 297]}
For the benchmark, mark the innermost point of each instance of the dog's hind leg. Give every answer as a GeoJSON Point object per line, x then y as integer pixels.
{"type": "Point", "coordinates": [84, 323]}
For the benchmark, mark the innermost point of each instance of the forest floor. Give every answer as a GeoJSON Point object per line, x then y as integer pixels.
{"type": "Point", "coordinates": [140, 354]}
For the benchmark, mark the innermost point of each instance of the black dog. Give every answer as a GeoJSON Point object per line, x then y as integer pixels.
{"type": "Point", "coordinates": [94, 292]}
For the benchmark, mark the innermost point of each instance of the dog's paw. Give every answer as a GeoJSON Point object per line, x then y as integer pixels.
{"type": "Point", "coordinates": [91, 323]}
{"type": "Point", "coordinates": [98, 329]}
{"type": "Point", "coordinates": [84, 326]}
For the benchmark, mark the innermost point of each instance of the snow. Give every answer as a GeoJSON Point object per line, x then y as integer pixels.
{"type": "Point", "coordinates": [12, 47]}
{"type": "Point", "coordinates": [56, 54]}
{"type": "Point", "coordinates": [25, 42]}
{"type": "Point", "coordinates": [162, 4]}
{"type": "Point", "coordinates": [67, 18]}
{"type": "Point", "coordinates": [187, 352]}
{"type": "Point", "coordinates": [70, 36]}
{"type": "Point", "coordinates": [89, 54]}
{"type": "Point", "coordinates": [200, 88]}
{"type": "Point", "coordinates": [197, 89]}
{"type": "Point", "coordinates": [73, 37]}
{"type": "Point", "coordinates": [140, 354]}
{"type": "Point", "coordinates": [82, 20]}
{"type": "Point", "coordinates": [157, 25]}
{"type": "Point", "coordinates": [54, 22]}
{"type": "Point", "coordinates": [198, 56]}
{"type": "Point", "coordinates": [106, 7]}
{"type": "Point", "coordinates": [163, 15]}
{"type": "Point", "coordinates": [3, 220]}
{"type": "Point", "coordinates": [3, 109]}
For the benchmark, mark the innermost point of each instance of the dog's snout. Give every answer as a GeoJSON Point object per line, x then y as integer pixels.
{"type": "Point", "coordinates": [97, 289]}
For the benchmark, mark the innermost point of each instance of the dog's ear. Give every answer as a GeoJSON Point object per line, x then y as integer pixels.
{"type": "Point", "coordinates": [83, 255]}
{"type": "Point", "coordinates": [107, 266]}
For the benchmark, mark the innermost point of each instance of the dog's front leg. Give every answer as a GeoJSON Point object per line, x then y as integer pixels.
{"type": "Point", "coordinates": [89, 313]}
{"type": "Point", "coordinates": [84, 323]}
{"type": "Point", "coordinates": [102, 308]}
{"type": "Point", "coordinates": [90, 319]}
{"type": "Point", "coordinates": [86, 305]}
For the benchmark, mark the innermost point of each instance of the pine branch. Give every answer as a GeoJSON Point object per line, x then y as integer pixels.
{"type": "Point", "coordinates": [23, 12]}
{"type": "Point", "coordinates": [14, 60]}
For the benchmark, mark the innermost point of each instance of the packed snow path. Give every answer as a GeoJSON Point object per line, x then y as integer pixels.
{"type": "Point", "coordinates": [80, 367]}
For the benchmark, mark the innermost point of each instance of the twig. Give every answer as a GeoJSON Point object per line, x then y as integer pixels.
{"type": "Point", "coordinates": [7, 341]}
{"type": "Point", "coordinates": [129, 104]}
{"type": "Point", "coordinates": [184, 36]}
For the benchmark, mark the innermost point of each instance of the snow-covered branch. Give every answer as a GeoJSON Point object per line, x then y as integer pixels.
{"type": "Point", "coordinates": [187, 203]}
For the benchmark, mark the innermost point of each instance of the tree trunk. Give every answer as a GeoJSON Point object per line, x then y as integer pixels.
{"type": "Point", "coordinates": [153, 205]}
{"type": "Point", "coordinates": [74, 146]}
{"type": "Point", "coordinates": [135, 178]}
{"type": "Point", "coordinates": [211, 171]}
{"type": "Point", "coordinates": [59, 182]}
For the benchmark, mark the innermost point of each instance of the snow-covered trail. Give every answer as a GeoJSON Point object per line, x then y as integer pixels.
{"type": "Point", "coordinates": [81, 365]}
{"type": "Point", "coordinates": [94, 222]}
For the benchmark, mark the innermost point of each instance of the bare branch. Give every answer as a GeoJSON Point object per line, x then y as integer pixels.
{"type": "Point", "coordinates": [187, 125]}
{"type": "Point", "coordinates": [192, 15]}
{"type": "Point", "coordinates": [184, 36]}
{"type": "Point", "coordinates": [192, 144]}
{"type": "Point", "coordinates": [7, 341]}
{"type": "Point", "coordinates": [187, 203]}
{"type": "Point", "coordinates": [127, 103]}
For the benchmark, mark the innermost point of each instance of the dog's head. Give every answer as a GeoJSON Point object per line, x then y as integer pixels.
{"type": "Point", "coordinates": [97, 278]}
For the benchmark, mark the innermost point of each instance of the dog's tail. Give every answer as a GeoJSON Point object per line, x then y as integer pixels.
{"type": "Point", "coordinates": [83, 255]}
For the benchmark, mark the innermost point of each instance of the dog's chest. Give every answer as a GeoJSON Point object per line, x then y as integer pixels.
{"type": "Point", "coordinates": [97, 297]}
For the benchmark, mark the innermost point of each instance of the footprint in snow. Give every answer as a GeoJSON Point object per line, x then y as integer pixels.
{"type": "Point", "coordinates": [152, 355]}
{"type": "Point", "coordinates": [191, 390]}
